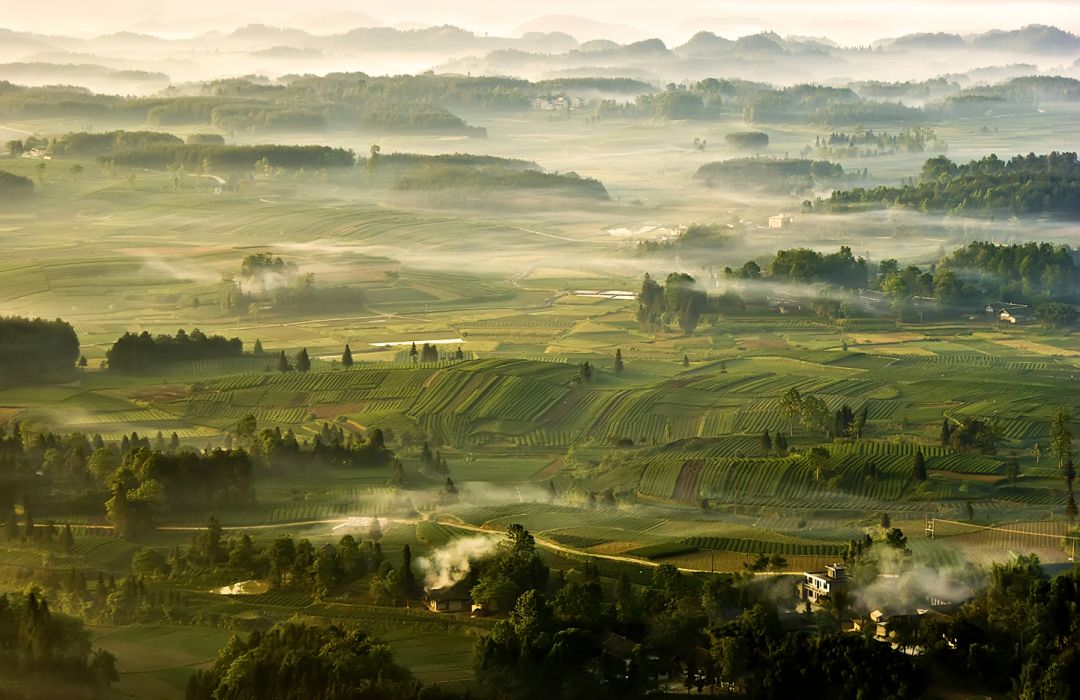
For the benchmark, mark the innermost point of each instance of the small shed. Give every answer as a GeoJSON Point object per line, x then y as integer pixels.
{"type": "Point", "coordinates": [455, 598]}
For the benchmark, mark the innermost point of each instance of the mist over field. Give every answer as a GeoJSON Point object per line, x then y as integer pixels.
{"type": "Point", "coordinates": [521, 351]}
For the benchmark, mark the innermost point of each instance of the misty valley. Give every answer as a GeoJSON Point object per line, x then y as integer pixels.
{"type": "Point", "coordinates": [418, 362]}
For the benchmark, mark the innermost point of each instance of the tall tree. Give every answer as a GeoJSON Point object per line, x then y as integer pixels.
{"type": "Point", "coordinates": [766, 443]}
{"type": "Point", "coordinates": [283, 363]}
{"type": "Point", "coordinates": [303, 362]}
{"type": "Point", "coordinates": [618, 361]}
{"type": "Point", "coordinates": [1061, 443]}
{"type": "Point", "coordinates": [650, 303]}
{"type": "Point", "coordinates": [791, 406]}
{"type": "Point", "coordinates": [408, 578]}
{"type": "Point", "coordinates": [346, 357]}
{"type": "Point", "coordinates": [919, 466]}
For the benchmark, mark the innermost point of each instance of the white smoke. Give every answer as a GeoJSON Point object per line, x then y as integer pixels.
{"type": "Point", "coordinates": [906, 584]}
{"type": "Point", "coordinates": [451, 563]}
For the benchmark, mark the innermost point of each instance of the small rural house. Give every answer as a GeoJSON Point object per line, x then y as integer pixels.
{"type": "Point", "coordinates": [817, 586]}
{"type": "Point", "coordinates": [455, 598]}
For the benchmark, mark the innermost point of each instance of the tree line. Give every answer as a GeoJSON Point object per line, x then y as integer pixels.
{"type": "Point", "coordinates": [141, 352]}
{"type": "Point", "coordinates": [1023, 185]}
{"type": "Point", "coordinates": [195, 157]}
{"type": "Point", "coordinates": [49, 655]}
{"type": "Point", "coordinates": [680, 300]}
{"type": "Point", "coordinates": [776, 174]}
{"type": "Point", "coordinates": [14, 187]}
{"type": "Point", "coordinates": [36, 349]}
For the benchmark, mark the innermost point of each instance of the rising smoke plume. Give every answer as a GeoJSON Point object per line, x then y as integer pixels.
{"type": "Point", "coordinates": [451, 563]}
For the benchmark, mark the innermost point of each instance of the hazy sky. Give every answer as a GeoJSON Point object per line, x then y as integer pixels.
{"type": "Point", "coordinates": [848, 21]}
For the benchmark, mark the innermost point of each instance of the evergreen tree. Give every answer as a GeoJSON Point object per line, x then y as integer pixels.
{"type": "Point", "coordinates": [67, 539]}
{"type": "Point", "coordinates": [1014, 469]}
{"type": "Point", "coordinates": [258, 349]}
{"type": "Point", "coordinates": [1061, 444]}
{"type": "Point", "coordinates": [919, 464]}
{"type": "Point", "coordinates": [414, 355]}
{"type": "Point", "coordinates": [766, 443]}
{"type": "Point", "coordinates": [408, 578]}
{"type": "Point", "coordinates": [618, 361]}
{"type": "Point", "coordinates": [346, 357]}
{"type": "Point", "coordinates": [303, 362]}
{"type": "Point", "coordinates": [11, 526]}
{"type": "Point", "coordinates": [780, 446]}
{"type": "Point", "coordinates": [283, 363]}
{"type": "Point", "coordinates": [685, 360]}
{"type": "Point", "coordinates": [946, 433]}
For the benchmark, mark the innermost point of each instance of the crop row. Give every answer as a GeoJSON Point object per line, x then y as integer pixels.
{"type": "Point", "coordinates": [745, 546]}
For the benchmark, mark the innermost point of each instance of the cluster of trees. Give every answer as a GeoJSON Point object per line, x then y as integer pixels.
{"type": "Point", "coordinates": [1041, 275]}
{"type": "Point", "coordinates": [268, 281]}
{"type": "Point", "coordinates": [143, 352]}
{"type": "Point", "coordinates": [823, 104]}
{"type": "Point", "coordinates": [84, 144]}
{"type": "Point", "coordinates": [297, 102]}
{"type": "Point", "coordinates": [47, 654]}
{"type": "Point", "coordinates": [775, 174]}
{"type": "Point", "coordinates": [758, 655]}
{"type": "Point", "coordinates": [803, 265]}
{"type": "Point", "coordinates": [868, 143]}
{"type": "Point", "coordinates": [762, 103]}
{"type": "Point", "coordinates": [36, 349]}
{"type": "Point", "coordinates": [1023, 185]}
{"type": "Point", "coordinates": [301, 362]}
{"type": "Point", "coordinates": [297, 660]}
{"type": "Point", "coordinates": [14, 187]}
{"type": "Point", "coordinates": [680, 300]}
{"type": "Point", "coordinates": [1018, 634]}
{"type": "Point", "coordinates": [747, 139]}
{"type": "Point", "coordinates": [297, 565]}
{"type": "Point", "coordinates": [32, 465]}
{"type": "Point", "coordinates": [574, 634]}
{"type": "Point", "coordinates": [127, 601]}
{"type": "Point", "coordinates": [199, 157]}
{"type": "Point", "coordinates": [273, 449]}
{"type": "Point", "coordinates": [814, 414]}
{"type": "Point", "coordinates": [972, 435]}
{"type": "Point", "coordinates": [477, 180]}
{"type": "Point", "coordinates": [17, 147]}
{"type": "Point", "coordinates": [1027, 271]}
{"type": "Point", "coordinates": [1036, 273]}
{"type": "Point", "coordinates": [148, 483]}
